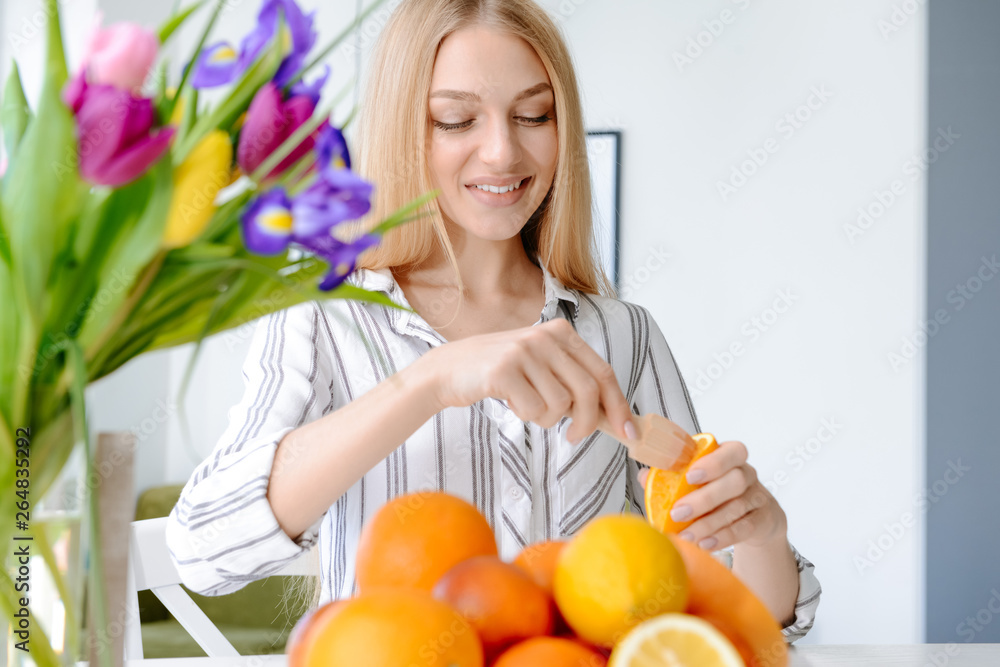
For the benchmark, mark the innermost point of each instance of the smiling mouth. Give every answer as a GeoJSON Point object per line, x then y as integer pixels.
{"type": "Point", "coordinates": [500, 189]}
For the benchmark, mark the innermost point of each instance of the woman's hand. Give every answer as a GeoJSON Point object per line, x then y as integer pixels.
{"type": "Point", "coordinates": [544, 372]}
{"type": "Point", "coordinates": [732, 506]}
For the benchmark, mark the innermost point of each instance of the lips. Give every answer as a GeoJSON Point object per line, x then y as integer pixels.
{"type": "Point", "coordinates": [495, 200]}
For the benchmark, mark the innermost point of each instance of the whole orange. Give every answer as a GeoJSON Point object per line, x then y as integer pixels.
{"type": "Point", "coordinates": [539, 561]}
{"type": "Point", "coordinates": [390, 628]}
{"type": "Point", "coordinates": [721, 598]}
{"type": "Point", "coordinates": [414, 539]}
{"type": "Point", "coordinates": [499, 599]}
{"type": "Point", "coordinates": [550, 652]}
{"type": "Point", "coordinates": [305, 628]}
{"type": "Point", "coordinates": [665, 487]}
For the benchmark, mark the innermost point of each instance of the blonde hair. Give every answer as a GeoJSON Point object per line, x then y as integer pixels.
{"type": "Point", "coordinates": [392, 140]}
{"type": "Point", "coordinates": [393, 133]}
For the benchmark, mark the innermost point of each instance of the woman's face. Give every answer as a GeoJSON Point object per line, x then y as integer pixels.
{"type": "Point", "coordinates": [492, 114]}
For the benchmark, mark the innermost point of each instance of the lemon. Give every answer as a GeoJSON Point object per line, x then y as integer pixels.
{"type": "Point", "coordinates": [616, 572]}
{"type": "Point", "coordinates": [675, 640]}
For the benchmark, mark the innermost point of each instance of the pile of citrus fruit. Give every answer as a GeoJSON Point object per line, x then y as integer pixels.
{"type": "Point", "coordinates": [432, 592]}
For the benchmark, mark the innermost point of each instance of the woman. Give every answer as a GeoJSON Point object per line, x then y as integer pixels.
{"type": "Point", "coordinates": [492, 391]}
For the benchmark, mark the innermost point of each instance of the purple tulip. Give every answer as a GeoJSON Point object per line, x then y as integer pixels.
{"type": "Point", "coordinates": [336, 196]}
{"type": "Point", "coordinates": [117, 141]}
{"type": "Point", "coordinates": [269, 121]}
{"type": "Point", "coordinates": [300, 33]}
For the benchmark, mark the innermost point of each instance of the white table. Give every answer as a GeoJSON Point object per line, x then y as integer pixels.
{"type": "Point", "coordinates": [832, 655]}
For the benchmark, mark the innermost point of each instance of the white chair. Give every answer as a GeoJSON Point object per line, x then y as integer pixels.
{"type": "Point", "coordinates": [150, 568]}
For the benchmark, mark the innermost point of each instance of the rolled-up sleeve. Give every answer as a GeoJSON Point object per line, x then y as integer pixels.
{"type": "Point", "coordinates": [222, 533]}
{"type": "Point", "coordinates": [661, 389]}
{"type": "Point", "coordinates": [807, 602]}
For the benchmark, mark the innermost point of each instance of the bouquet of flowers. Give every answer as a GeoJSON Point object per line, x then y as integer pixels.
{"type": "Point", "coordinates": [135, 218]}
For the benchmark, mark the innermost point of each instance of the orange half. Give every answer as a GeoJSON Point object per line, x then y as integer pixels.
{"type": "Point", "coordinates": [665, 487]}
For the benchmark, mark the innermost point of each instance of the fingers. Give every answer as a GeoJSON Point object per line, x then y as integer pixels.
{"type": "Point", "coordinates": [730, 454]}
{"type": "Point", "coordinates": [556, 397]}
{"type": "Point", "coordinates": [523, 398]}
{"type": "Point", "coordinates": [610, 394]}
{"type": "Point", "coordinates": [736, 520]}
{"type": "Point", "coordinates": [713, 494]}
{"type": "Point", "coordinates": [586, 393]}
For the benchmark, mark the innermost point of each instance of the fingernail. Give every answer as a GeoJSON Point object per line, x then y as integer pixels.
{"type": "Point", "coordinates": [695, 476]}
{"type": "Point", "coordinates": [630, 430]}
{"type": "Point", "coordinates": [708, 543]}
{"type": "Point", "coordinates": [687, 535]}
{"type": "Point", "coordinates": [680, 512]}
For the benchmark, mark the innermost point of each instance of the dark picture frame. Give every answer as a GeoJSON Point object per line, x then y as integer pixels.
{"type": "Point", "coordinates": [604, 155]}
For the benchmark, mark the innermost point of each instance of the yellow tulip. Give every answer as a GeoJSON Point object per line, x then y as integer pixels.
{"type": "Point", "coordinates": [197, 181]}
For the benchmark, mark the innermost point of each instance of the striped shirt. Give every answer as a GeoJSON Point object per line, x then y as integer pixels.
{"type": "Point", "coordinates": [528, 481]}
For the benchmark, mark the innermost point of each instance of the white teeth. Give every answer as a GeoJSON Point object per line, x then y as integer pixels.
{"type": "Point", "coordinates": [499, 190]}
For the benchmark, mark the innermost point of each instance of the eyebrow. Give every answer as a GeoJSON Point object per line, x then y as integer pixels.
{"type": "Point", "coordinates": [466, 96]}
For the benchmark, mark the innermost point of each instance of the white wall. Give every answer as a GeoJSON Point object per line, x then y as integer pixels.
{"type": "Point", "coordinates": [823, 360]}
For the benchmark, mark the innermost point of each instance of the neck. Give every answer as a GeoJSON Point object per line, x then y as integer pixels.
{"type": "Point", "coordinates": [488, 267]}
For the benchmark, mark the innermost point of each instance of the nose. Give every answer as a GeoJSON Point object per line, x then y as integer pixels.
{"type": "Point", "coordinates": [500, 147]}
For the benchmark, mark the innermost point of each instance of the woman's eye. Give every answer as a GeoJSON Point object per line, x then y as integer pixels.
{"type": "Point", "coordinates": [447, 127]}
{"type": "Point", "coordinates": [531, 122]}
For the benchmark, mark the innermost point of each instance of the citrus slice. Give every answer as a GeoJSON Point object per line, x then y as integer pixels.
{"type": "Point", "coordinates": [664, 487]}
{"type": "Point", "coordinates": [675, 640]}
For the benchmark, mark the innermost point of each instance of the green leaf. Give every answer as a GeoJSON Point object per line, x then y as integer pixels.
{"type": "Point", "coordinates": [176, 21]}
{"type": "Point", "coordinates": [402, 214]}
{"type": "Point", "coordinates": [131, 251]}
{"type": "Point", "coordinates": [169, 110]}
{"type": "Point", "coordinates": [10, 326]}
{"type": "Point", "coordinates": [226, 112]}
{"type": "Point", "coordinates": [202, 251]}
{"type": "Point", "coordinates": [42, 190]}
{"type": "Point", "coordinates": [14, 114]}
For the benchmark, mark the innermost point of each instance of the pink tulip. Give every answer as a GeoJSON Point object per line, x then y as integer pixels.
{"type": "Point", "coordinates": [269, 121]}
{"type": "Point", "coordinates": [117, 140]}
{"type": "Point", "coordinates": [120, 55]}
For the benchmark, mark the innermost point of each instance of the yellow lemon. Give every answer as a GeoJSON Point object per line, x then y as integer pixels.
{"type": "Point", "coordinates": [675, 640]}
{"type": "Point", "coordinates": [615, 573]}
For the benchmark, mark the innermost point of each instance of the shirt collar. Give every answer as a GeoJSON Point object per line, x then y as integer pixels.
{"type": "Point", "coordinates": [382, 280]}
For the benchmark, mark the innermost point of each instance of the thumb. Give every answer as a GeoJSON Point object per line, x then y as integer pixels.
{"type": "Point", "coordinates": [643, 474]}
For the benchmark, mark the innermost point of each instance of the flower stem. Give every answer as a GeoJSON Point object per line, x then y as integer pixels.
{"type": "Point", "coordinates": [97, 595]}
{"type": "Point", "coordinates": [138, 292]}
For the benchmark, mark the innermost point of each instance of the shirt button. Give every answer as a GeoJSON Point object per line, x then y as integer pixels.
{"type": "Point", "coordinates": [516, 492]}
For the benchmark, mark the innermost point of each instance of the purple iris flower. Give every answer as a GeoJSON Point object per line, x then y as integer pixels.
{"type": "Point", "coordinates": [217, 65]}
{"type": "Point", "coordinates": [331, 149]}
{"type": "Point", "coordinates": [300, 35]}
{"type": "Point", "coordinates": [336, 196]}
{"type": "Point", "coordinates": [267, 223]}
{"type": "Point", "coordinates": [117, 141]}
{"type": "Point", "coordinates": [342, 256]}
{"type": "Point", "coordinates": [311, 90]}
